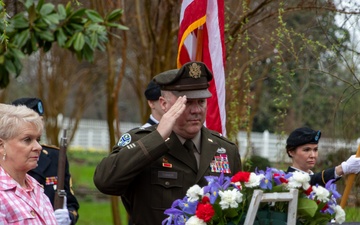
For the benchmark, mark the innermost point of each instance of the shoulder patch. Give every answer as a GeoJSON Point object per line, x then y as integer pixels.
{"type": "Point", "coordinates": [218, 135]}
{"type": "Point", "coordinates": [125, 139]}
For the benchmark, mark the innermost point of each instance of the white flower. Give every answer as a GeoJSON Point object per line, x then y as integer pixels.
{"type": "Point", "coordinates": [254, 180]}
{"type": "Point", "coordinates": [194, 220]}
{"type": "Point", "coordinates": [339, 214]}
{"type": "Point", "coordinates": [299, 179]}
{"type": "Point", "coordinates": [193, 193]}
{"type": "Point", "coordinates": [321, 193]}
{"type": "Point", "coordinates": [230, 198]}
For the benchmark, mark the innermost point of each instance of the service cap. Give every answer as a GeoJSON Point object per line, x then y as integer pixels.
{"type": "Point", "coordinates": [302, 136]}
{"type": "Point", "coordinates": [152, 91]}
{"type": "Point", "coordinates": [32, 103]}
{"type": "Point", "coordinates": [192, 80]}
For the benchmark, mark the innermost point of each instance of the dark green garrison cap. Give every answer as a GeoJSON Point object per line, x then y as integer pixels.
{"type": "Point", "coordinates": [192, 80]}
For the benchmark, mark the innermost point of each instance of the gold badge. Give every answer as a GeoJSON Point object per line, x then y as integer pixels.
{"type": "Point", "coordinates": [195, 71]}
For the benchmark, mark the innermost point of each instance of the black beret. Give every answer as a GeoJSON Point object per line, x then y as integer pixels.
{"type": "Point", "coordinates": [152, 91]}
{"type": "Point", "coordinates": [192, 80]}
{"type": "Point", "coordinates": [32, 103]}
{"type": "Point", "coordinates": [302, 136]}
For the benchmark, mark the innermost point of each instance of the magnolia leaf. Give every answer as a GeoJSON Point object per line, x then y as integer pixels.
{"type": "Point", "coordinates": [46, 9]}
{"type": "Point", "coordinates": [34, 44]}
{"type": "Point", "coordinates": [40, 3]}
{"type": "Point", "coordinates": [94, 40]}
{"type": "Point", "coordinates": [21, 39]}
{"type": "Point", "coordinates": [79, 41]}
{"type": "Point", "coordinates": [94, 16]}
{"type": "Point", "coordinates": [10, 67]}
{"type": "Point", "coordinates": [70, 42]}
{"type": "Point", "coordinates": [307, 207]}
{"type": "Point", "coordinates": [60, 37]}
{"type": "Point", "coordinates": [78, 13]}
{"type": "Point", "coordinates": [61, 12]}
{"type": "Point", "coordinates": [19, 21]}
{"type": "Point", "coordinates": [51, 19]}
{"type": "Point", "coordinates": [114, 15]}
{"type": "Point", "coordinates": [46, 35]}
{"type": "Point", "coordinates": [116, 25]}
{"type": "Point", "coordinates": [17, 53]}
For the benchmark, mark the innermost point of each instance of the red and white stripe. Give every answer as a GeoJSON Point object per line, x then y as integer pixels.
{"type": "Point", "coordinates": [210, 15]}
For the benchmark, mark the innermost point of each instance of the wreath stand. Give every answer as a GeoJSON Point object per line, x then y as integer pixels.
{"type": "Point", "coordinates": [260, 196]}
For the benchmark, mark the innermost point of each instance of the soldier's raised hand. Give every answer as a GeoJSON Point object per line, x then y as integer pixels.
{"type": "Point", "coordinates": [169, 118]}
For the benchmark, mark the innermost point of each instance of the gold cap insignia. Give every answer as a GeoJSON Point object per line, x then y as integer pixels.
{"type": "Point", "coordinates": [195, 71]}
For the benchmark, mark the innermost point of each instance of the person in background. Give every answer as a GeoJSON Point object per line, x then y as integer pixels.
{"type": "Point", "coordinates": [302, 148]}
{"type": "Point", "coordinates": [46, 171]}
{"type": "Point", "coordinates": [150, 168]}
{"type": "Point", "coordinates": [152, 94]}
{"type": "Point", "coordinates": [22, 199]}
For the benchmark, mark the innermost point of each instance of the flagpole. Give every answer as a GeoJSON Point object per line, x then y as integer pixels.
{"type": "Point", "coordinates": [199, 44]}
{"type": "Point", "coordinates": [349, 184]}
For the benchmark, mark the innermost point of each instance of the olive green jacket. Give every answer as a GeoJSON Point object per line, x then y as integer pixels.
{"type": "Point", "coordinates": [150, 173]}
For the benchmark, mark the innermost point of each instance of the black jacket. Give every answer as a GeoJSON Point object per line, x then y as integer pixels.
{"type": "Point", "coordinates": [319, 178]}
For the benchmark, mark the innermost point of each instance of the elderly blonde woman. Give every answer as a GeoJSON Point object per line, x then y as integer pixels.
{"type": "Point", "coordinates": [22, 199]}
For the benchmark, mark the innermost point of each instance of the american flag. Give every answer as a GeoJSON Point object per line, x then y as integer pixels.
{"type": "Point", "coordinates": [201, 38]}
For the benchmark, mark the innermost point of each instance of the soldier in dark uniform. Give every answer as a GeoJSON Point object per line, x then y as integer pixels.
{"type": "Point", "coordinates": [152, 94]}
{"type": "Point", "coordinates": [302, 148]}
{"type": "Point", "coordinates": [151, 167]}
{"type": "Point", "coordinates": [46, 172]}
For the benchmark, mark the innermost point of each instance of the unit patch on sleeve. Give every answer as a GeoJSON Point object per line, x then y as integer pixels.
{"type": "Point", "coordinates": [124, 140]}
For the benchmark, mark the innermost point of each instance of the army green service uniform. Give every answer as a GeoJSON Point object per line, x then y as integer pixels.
{"type": "Point", "coordinates": [150, 173]}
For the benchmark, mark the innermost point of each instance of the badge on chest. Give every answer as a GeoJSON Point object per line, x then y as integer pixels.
{"type": "Point", "coordinates": [220, 163]}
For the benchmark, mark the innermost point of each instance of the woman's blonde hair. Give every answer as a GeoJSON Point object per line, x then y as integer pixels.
{"type": "Point", "coordinates": [13, 118]}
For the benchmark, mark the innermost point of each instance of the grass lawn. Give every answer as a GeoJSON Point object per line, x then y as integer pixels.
{"type": "Point", "coordinates": [96, 213]}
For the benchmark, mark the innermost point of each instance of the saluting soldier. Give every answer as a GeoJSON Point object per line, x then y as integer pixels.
{"type": "Point", "coordinates": [151, 167]}
{"type": "Point", "coordinates": [46, 171]}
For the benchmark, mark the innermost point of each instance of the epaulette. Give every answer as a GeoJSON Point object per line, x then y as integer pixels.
{"type": "Point", "coordinates": [50, 146]}
{"type": "Point", "coordinates": [219, 135]}
{"type": "Point", "coordinates": [140, 130]}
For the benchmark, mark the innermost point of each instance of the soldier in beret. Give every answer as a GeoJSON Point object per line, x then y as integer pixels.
{"type": "Point", "coordinates": [46, 171]}
{"type": "Point", "coordinates": [150, 168]}
{"type": "Point", "coordinates": [152, 94]}
{"type": "Point", "coordinates": [302, 148]}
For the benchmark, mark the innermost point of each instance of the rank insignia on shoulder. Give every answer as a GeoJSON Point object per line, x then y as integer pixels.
{"type": "Point", "coordinates": [124, 140]}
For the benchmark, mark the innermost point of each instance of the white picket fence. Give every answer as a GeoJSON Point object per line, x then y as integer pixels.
{"type": "Point", "coordinates": [93, 135]}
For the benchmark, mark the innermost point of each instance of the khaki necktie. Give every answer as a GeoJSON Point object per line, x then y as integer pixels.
{"type": "Point", "coordinates": [189, 145]}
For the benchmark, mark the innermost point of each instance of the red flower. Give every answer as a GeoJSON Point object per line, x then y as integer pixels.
{"type": "Point", "coordinates": [308, 191]}
{"type": "Point", "coordinates": [205, 211]}
{"type": "Point", "coordinates": [241, 177]}
{"type": "Point", "coordinates": [325, 207]}
{"type": "Point", "coordinates": [281, 178]}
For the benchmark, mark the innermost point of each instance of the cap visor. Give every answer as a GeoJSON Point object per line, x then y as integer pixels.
{"type": "Point", "coordinates": [195, 94]}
